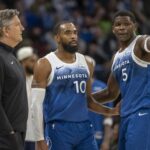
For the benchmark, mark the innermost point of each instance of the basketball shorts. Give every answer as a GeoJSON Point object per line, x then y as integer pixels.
{"type": "Point", "coordinates": [134, 132]}
{"type": "Point", "coordinates": [61, 135]}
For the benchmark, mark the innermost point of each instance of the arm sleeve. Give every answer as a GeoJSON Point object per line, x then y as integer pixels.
{"type": "Point", "coordinates": [38, 95]}
{"type": "Point", "coordinates": [5, 126]}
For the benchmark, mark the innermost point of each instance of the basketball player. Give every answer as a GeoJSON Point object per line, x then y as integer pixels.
{"type": "Point", "coordinates": [28, 58]}
{"type": "Point", "coordinates": [130, 76]}
{"type": "Point", "coordinates": [62, 80]}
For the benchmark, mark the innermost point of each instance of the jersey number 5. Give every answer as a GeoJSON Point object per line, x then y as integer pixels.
{"type": "Point", "coordinates": [80, 86]}
{"type": "Point", "coordinates": [124, 74]}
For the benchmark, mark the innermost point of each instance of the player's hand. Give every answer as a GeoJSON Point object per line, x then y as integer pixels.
{"type": "Point", "coordinates": [41, 145]}
{"type": "Point", "coordinates": [105, 146]}
{"type": "Point", "coordinates": [116, 109]}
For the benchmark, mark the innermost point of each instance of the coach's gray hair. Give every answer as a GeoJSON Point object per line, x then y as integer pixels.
{"type": "Point", "coordinates": [5, 17]}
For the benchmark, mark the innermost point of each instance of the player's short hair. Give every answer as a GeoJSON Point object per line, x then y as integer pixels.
{"type": "Point", "coordinates": [56, 29]}
{"type": "Point", "coordinates": [124, 13]}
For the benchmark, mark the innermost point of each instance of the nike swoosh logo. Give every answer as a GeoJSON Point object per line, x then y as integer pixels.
{"type": "Point", "coordinates": [59, 67]}
{"type": "Point", "coordinates": [142, 114]}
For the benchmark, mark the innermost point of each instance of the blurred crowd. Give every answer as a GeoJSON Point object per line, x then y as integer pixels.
{"type": "Point", "coordinates": [93, 18]}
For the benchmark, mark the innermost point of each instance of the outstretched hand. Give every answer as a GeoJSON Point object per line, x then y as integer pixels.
{"type": "Point", "coordinates": [116, 110]}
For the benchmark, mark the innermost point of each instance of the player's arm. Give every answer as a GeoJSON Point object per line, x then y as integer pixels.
{"type": "Point", "coordinates": [144, 43]}
{"type": "Point", "coordinates": [40, 78]}
{"type": "Point", "coordinates": [142, 48]}
{"type": "Point", "coordinates": [108, 121]}
{"type": "Point", "coordinates": [110, 93]}
{"type": "Point", "coordinates": [92, 104]}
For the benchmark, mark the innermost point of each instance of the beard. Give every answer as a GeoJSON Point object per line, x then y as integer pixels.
{"type": "Point", "coordinates": [70, 48]}
{"type": "Point", "coordinates": [29, 70]}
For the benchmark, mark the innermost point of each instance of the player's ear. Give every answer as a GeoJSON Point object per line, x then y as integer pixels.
{"type": "Point", "coordinates": [113, 30]}
{"type": "Point", "coordinates": [135, 27]}
{"type": "Point", "coordinates": [57, 38]}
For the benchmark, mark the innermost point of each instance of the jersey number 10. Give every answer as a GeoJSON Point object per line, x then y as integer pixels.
{"type": "Point", "coordinates": [80, 86]}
